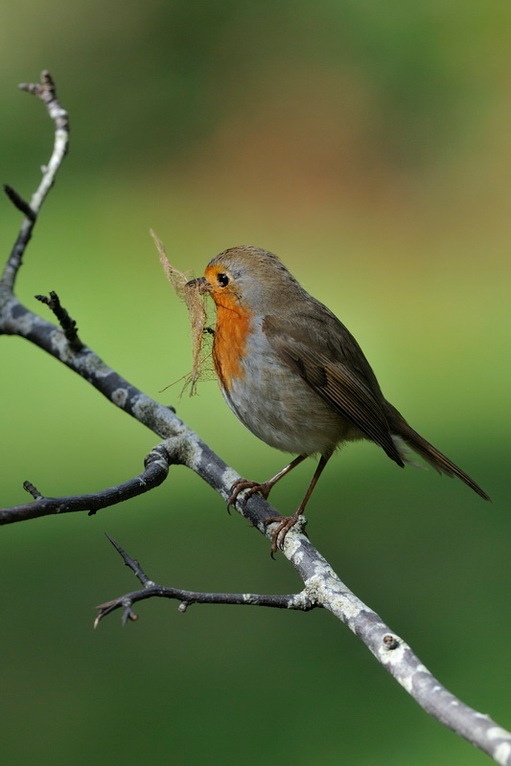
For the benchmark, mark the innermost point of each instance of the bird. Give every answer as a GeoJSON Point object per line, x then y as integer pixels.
{"type": "Point", "coordinates": [296, 377]}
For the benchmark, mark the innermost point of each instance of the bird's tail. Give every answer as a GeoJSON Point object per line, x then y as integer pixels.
{"type": "Point", "coordinates": [427, 451]}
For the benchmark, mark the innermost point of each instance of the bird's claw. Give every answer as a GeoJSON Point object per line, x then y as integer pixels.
{"type": "Point", "coordinates": [284, 525]}
{"type": "Point", "coordinates": [251, 486]}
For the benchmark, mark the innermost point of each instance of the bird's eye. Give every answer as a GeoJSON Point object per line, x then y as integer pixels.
{"type": "Point", "coordinates": [223, 280]}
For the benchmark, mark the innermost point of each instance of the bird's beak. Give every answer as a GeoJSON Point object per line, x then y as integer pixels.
{"type": "Point", "coordinates": [200, 284]}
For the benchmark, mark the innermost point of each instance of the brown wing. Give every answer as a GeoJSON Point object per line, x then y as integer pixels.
{"type": "Point", "coordinates": [328, 358]}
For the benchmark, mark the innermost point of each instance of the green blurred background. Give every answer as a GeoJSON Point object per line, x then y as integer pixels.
{"type": "Point", "coordinates": [368, 144]}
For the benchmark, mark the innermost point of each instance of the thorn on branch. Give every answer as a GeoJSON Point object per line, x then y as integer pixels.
{"type": "Point", "coordinates": [18, 202]}
{"type": "Point", "coordinates": [68, 324]}
{"type": "Point", "coordinates": [131, 563]}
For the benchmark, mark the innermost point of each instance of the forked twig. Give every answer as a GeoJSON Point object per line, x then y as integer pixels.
{"type": "Point", "coordinates": [298, 601]}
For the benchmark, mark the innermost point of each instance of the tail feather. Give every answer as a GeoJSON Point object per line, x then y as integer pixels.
{"type": "Point", "coordinates": [428, 452]}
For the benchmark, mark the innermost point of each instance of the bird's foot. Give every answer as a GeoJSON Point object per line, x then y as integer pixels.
{"type": "Point", "coordinates": [284, 524]}
{"type": "Point", "coordinates": [252, 486]}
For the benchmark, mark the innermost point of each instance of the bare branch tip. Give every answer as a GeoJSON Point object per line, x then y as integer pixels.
{"type": "Point", "coordinates": [44, 89]}
{"type": "Point", "coordinates": [30, 87]}
{"type": "Point", "coordinates": [105, 609]}
{"type": "Point", "coordinates": [131, 563]}
{"type": "Point", "coordinates": [32, 490]}
{"type": "Point", "coordinates": [115, 544]}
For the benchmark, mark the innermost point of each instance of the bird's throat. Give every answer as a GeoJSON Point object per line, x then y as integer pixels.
{"type": "Point", "coordinates": [229, 345]}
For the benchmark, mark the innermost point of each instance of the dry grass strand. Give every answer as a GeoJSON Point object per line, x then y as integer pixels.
{"type": "Point", "coordinates": [199, 330]}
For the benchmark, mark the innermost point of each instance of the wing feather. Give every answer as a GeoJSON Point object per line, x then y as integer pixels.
{"type": "Point", "coordinates": [330, 361]}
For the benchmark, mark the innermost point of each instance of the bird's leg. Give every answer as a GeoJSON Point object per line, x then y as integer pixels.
{"type": "Point", "coordinates": [265, 487]}
{"type": "Point", "coordinates": [284, 524]}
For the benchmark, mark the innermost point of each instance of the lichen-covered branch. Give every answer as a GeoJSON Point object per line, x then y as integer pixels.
{"type": "Point", "coordinates": [322, 586]}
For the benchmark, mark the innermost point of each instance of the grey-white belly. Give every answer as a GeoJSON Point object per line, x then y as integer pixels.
{"type": "Point", "coordinates": [273, 402]}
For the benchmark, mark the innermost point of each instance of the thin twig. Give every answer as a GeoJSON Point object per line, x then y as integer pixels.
{"type": "Point", "coordinates": [156, 471]}
{"type": "Point", "coordinates": [297, 601]}
{"type": "Point", "coordinates": [18, 201]}
{"type": "Point", "coordinates": [32, 490]}
{"type": "Point", "coordinates": [45, 91]}
{"type": "Point", "coordinates": [66, 322]}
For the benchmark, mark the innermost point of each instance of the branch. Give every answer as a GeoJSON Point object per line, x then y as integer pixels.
{"type": "Point", "coordinates": [298, 601]}
{"type": "Point", "coordinates": [156, 463]}
{"type": "Point", "coordinates": [322, 586]}
{"type": "Point", "coordinates": [45, 91]}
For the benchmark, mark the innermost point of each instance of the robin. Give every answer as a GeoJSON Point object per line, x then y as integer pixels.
{"type": "Point", "coordinates": [295, 376]}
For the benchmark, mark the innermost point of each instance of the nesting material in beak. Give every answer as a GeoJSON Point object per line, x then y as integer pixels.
{"type": "Point", "coordinates": [194, 296]}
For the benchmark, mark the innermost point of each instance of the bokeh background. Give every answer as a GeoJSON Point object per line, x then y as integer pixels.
{"type": "Point", "coordinates": [369, 145]}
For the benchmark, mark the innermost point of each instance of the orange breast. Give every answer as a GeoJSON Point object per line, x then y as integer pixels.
{"type": "Point", "coordinates": [229, 345]}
